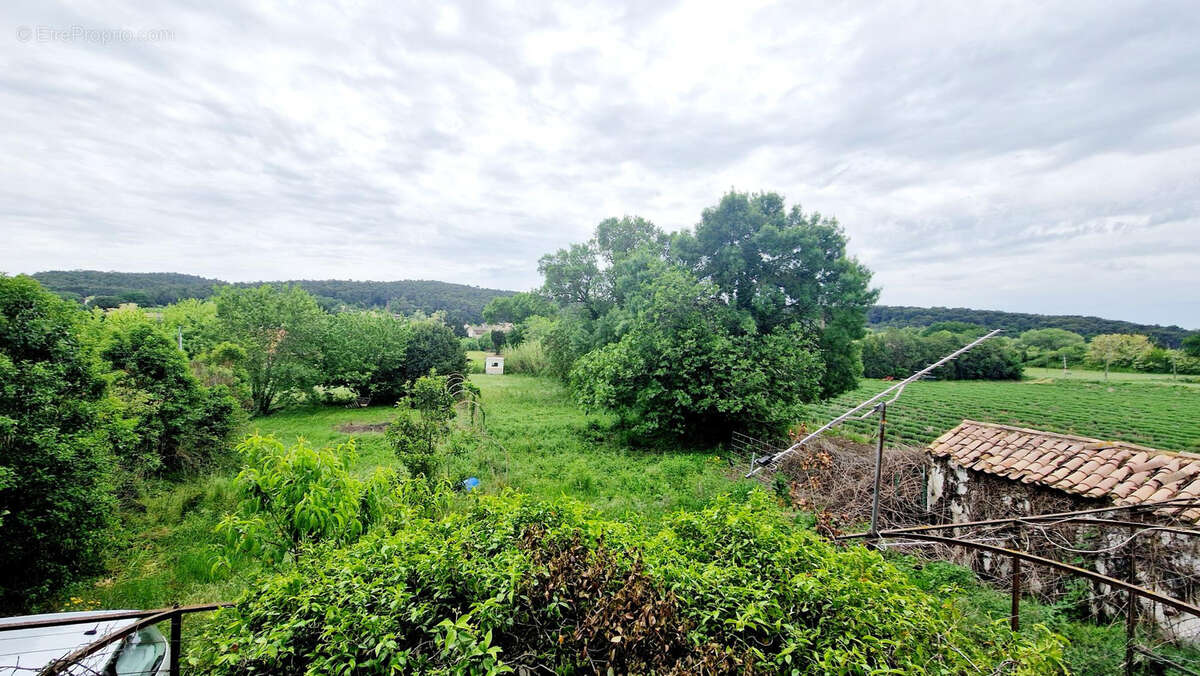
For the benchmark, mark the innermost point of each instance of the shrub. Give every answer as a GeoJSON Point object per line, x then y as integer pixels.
{"type": "Point", "coordinates": [290, 498]}
{"type": "Point", "coordinates": [529, 357]}
{"type": "Point", "coordinates": [684, 370]}
{"type": "Point", "coordinates": [414, 436]}
{"type": "Point", "coordinates": [433, 346]}
{"type": "Point", "coordinates": [367, 352]}
{"type": "Point", "coordinates": [56, 432]}
{"type": "Point", "coordinates": [179, 423]}
{"type": "Point", "coordinates": [517, 584]}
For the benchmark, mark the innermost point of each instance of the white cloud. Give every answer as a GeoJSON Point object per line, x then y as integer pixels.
{"type": "Point", "coordinates": [1037, 157]}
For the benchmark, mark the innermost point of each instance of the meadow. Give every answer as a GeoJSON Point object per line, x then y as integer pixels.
{"type": "Point", "coordinates": [1154, 413]}
{"type": "Point", "coordinates": [537, 441]}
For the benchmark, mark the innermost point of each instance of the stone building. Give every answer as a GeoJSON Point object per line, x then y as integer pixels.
{"type": "Point", "coordinates": [985, 471]}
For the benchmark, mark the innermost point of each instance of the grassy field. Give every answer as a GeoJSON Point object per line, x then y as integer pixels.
{"type": "Point", "coordinates": [1033, 373]}
{"type": "Point", "coordinates": [1159, 415]}
{"type": "Point", "coordinates": [536, 441]}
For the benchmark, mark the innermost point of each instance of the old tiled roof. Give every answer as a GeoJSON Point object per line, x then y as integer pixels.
{"type": "Point", "coordinates": [1123, 473]}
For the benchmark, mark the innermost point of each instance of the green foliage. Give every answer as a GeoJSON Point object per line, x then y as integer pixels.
{"type": "Point", "coordinates": [1191, 346]}
{"type": "Point", "coordinates": [1050, 339]}
{"type": "Point", "coordinates": [512, 583]}
{"type": "Point", "coordinates": [529, 357]}
{"type": "Point", "coordinates": [56, 434]}
{"type": "Point", "coordinates": [1118, 349]}
{"type": "Point", "coordinates": [783, 267]}
{"type": "Point", "coordinates": [460, 303]}
{"type": "Point", "coordinates": [105, 302]}
{"type": "Point", "coordinates": [517, 308]}
{"type": "Point", "coordinates": [897, 353]}
{"type": "Point", "coordinates": [367, 352]}
{"type": "Point", "coordinates": [433, 347]}
{"type": "Point", "coordinates": [414, 437]}
{"type": "Point", "coordinates": [290, 498]}
{"type": "Point", "coordinates": [280, 328]}
{"type": "Point", "coordinates": [683, 370]}
{"type": "Point", "coordinates": [197, 320]}
{"type": "Point", "coordinates": [179, 424]}
{"type": "Point", "coordinates": [498, 339]}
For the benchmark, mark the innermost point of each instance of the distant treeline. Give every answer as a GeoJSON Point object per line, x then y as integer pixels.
{"type": "Point", "coordinates": [1015, 323]}
{"type": "Point", "coordinates": [461, 303]}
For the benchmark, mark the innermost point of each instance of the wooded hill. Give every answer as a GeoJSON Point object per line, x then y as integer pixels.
{"type": "Point", "coordinates": [460, 302]}
{"type": "Point", "coordinates": [464, 304]}
{"type": "Point", "coordinates": [1014, 323]}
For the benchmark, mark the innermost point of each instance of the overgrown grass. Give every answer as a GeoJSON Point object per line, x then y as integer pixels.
{"type": "Point", "coordinates": [537, 441]}
{"type": "Point", "coordinates": [528, 358]}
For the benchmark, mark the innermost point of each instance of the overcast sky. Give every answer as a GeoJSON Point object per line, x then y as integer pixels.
{"type": "Point", "coordinates": [1019, 156]}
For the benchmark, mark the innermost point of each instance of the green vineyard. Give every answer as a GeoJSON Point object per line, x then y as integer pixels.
{"type": "Point", "coordinates": [1161, 416]}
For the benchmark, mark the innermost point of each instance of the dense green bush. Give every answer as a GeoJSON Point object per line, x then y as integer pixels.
{"type": "Point", "coordinates": [57, 429]}
{"type": "Point", "coordinates": [367, 352]}
{"type": "Point", "coordinates": [516, 584]}
{"type": "Point", "coordinates": [433, 345]}
{"type": "Point", "coordinates": [180, 424]}
{"type": "Point", "coordinates": [683, 370]}
{"type": "Point", "coordinates": [298, 496]}
{"type": "Point", "coordinates": [281, 330]}
{"type": "Point", "coordinates": [415, 434]}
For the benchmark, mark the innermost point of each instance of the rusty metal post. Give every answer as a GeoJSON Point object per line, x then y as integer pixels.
{"type": "Point", "coordinates": [1130, 607]}
{"type": "Point", "coordinates": [1015, 614]}
{"type": "Point", "coordinates": [176, 641]}
{"type": "Point", "coordinates": [878, 469]}
{"type": "Point", "coordinates": [1130, 625]}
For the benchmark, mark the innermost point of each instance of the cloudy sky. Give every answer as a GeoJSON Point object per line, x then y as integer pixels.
{"type": "Point", "coordinates": [1020, 156]}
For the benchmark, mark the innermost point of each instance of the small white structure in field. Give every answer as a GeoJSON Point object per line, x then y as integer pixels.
{"type": "Point", "coordinates": [494, 365]}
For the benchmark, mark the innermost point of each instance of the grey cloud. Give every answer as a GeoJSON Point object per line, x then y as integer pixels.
{"type": "Point", "coordinates": [969, 150]}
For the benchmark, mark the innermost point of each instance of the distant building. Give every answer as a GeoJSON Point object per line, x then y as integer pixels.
{"type": "Point", "coordinates": [494, 365]}
{"type": "Point", "coordinates": [485, 329]}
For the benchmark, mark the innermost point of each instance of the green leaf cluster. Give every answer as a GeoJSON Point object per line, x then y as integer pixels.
{"type": "Point", "coordinates": [512, 583]}
{"type": "Point", "coordinates": [293, 497]}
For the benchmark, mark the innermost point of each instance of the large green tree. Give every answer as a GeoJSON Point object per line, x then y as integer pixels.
{"type": "Point", "coordinates": [433, 347]}
{"type": "Point", "coordinates": [56, 435]}
{"type": "Point", "coordinates": [685, 367]}
{"type": "Point", "coordinates": [281, 328]}
{"type": "Point", "coordinates": [517, 307]}
{"type": "Point", "coordinates": [366, 351]}
{"type": "Point", "coordinates": [784, 266]}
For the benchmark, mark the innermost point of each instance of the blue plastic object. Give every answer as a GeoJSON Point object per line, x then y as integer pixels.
{"type": "Point", "coordinates": [470, 483]}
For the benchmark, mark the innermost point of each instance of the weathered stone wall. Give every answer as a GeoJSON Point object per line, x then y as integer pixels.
{"type": "Point", "coordinates": [1163, 561]}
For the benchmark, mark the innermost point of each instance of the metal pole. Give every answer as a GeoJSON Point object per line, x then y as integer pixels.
{"type": "Point", "coordinates": [179, 337]}
{"type": "Point", "coordinates": [176, 641]}
{"type": "Point", "coordinates": [1130, 609]}
{"type": "Point", "coordinates": [1130, 625]}
{"type": "Point", "coordinates": [898, 388]}
{"type": "Point", "coordinates": [882, 408]}
{"type": "Point", "coordinates": [1015, 618]}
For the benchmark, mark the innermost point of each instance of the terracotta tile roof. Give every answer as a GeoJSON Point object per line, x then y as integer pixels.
{"type": "Point", "coordinates": [1123, 473]}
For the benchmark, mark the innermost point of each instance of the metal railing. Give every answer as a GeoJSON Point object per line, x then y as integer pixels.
{"type": "Point", "coordinates": [145, 618]}
{"type": "Point", "coordinates": [1087, 516]}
